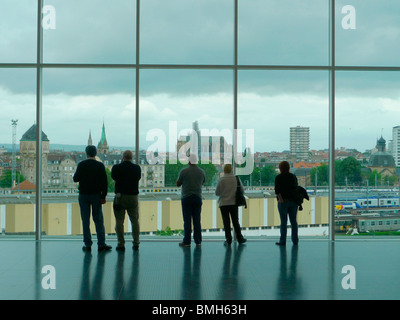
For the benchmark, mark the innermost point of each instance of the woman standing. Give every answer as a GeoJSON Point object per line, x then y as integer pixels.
{"type": "Point", "coordinates": [226, 191]}
{"type": "Point", "coordinates": [285, 190]}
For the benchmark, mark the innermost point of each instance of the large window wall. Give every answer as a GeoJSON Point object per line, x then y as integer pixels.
{"type": "Point", "coordinates": [143, 73]}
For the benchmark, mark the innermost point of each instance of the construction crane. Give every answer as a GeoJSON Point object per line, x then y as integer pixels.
{"type": "Point", "coordinates": [14, 143]}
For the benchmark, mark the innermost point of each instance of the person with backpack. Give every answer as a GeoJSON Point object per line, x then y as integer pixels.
{"type": "Point", "coordinates": [286, 190]}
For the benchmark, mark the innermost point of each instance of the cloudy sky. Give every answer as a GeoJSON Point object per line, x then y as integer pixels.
{"type": "Point", "coordinates": [184, 32]}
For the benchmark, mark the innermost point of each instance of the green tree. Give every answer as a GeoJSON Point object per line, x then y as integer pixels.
{"type": "Point", "coordinates": [171, 172]}
{"type": "Point", "coordinates": [322, 173]}
{"type": "Point", "coordinates": [349, 168]}
{"type": "Point", "coordinates": [268, 175]}
{"type": "Point", "coordinates": [111, 182]}
{"type": "Point", "coordinates": [6, 179]}
{"type": "Point", "coordinates": [211, 173]}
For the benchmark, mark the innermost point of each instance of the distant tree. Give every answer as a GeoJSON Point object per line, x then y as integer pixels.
{"type": "Point", "coordinates": [349, 168]}
{"type": "Point", "coordinates": [268, 175]}
{"type": "Point", "coordinates": [322, 173]}
{"type": "Point", "coordinates": [6, 179]}
{"type": "Point", "coordinates": [211, 173]}
{"type": "Point", "coordinates": [171, 172]}
{"type": "Point", "coordinates": [111, 182]}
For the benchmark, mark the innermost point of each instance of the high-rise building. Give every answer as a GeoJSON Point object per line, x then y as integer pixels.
{"type": "Point", "coordinates": [300, 142]}
{"type": "Point", "coordinates": [396, 145]}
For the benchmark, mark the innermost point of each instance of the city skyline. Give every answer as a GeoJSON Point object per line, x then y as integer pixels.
{"type": "Point", "coordinates": [69, 147]}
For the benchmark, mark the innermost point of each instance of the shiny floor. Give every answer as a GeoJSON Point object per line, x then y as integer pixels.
{"type": "Point", "coordinates": [161, 270]}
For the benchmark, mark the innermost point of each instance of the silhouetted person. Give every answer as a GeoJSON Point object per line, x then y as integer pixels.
{"type": "Point", "coordinates": [126, 176]}
{"type": "Point", "coordinates": [226, 191]}
{"type": "Point", "coordinates": [93, 185]}
{"type": "Point", "coordinates": [286, 192]}
{"type": "Point", "coordinates": [191, 179]}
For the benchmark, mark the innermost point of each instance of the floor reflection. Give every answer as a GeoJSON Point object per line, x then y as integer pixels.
{"type": "Point", "coordinates": [191, 274]}
{"type": "Point", "coordinates": [128, 290]}
{"type": "Point", "coordinates": [230, 284]}
{"type": "Point", "coordinates": [288, 284]}
{"type": "Point", "coordinates": [91, 289]}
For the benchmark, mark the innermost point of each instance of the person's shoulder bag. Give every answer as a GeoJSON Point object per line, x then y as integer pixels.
{"type": "Point", "coordinates": [240, 198]}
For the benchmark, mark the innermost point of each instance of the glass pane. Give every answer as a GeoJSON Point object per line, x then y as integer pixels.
{"type": "Point", "coordinates": [367, 33]}
{"type": "Point", "coordinates": [81, 107]}
{"type": "Point", "coordinates": [184, 100]}
{"type": "Point", "coordinates": [183, 111]}
{"type": "Point", "coordinates": [287, 32]}
{"type": "Point", "coordinates": [187, 31]}
{"type": "Point", "coordinates": [17, 163]}
{"type": "Point", "coordinates": [367, 155]}
{"type": "Point", "coordinates": [18, 31]}
{"type": "Point", "coordinates": [89, 31]}
{"type": "Point", "coordinates": [292, 124]}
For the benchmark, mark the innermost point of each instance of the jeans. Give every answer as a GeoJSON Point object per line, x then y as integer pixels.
{"type": "Point", "coordinates": [229, 213]}
{"type": "Point", "coordinates": [87, 202]}
{"type": "Point", "coordinates": [191, 210]}
{"type": "Point", "coordinates": [288, 208]}
{"type": "Point", "coordinates": [129, 203]}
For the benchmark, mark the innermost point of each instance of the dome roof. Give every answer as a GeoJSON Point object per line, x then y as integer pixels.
{"type": "Point", "coordinates": [30, 135]}
{"type": "Point", "coordinates": [381, 159]}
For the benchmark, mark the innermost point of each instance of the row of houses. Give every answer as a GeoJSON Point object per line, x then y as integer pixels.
{"type": "Point", "coordinates": [58, 167]}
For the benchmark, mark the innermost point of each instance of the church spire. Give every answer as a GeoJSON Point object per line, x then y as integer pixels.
{"type": "Point", "coordinates": [103, 145]}
{"type": "Point", "coordinates": [90, 141]}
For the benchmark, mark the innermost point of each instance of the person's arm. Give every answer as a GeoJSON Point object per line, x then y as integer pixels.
{"type": "Point", "coordinates": [179, 181]}
{"type": "Point", "coordinates": [277, 190]}
{"type": "Point", "coordinates": [218, 188]}
{"type": "Point", "coordinates": [77, 175]}
{"type": "Point", "coordinates": [105, 186]}
{"type": "Point", "coordinates": [241, 185]}
{"type": "Point", "coordinates": [114, 173]}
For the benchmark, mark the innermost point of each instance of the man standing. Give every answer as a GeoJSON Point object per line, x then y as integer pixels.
{"type": "Point", "coordinates": [191, 179]}
{"type": "Point", "coordinates": [93, 185]}
{"type": "Point", "coordinates": [126, 176]}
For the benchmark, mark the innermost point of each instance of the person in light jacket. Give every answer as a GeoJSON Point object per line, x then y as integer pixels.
{"type": "Point", "coordinates": [226, 191]}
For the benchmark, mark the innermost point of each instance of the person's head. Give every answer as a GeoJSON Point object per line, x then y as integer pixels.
{"type": "Point", "coordinates": [193, 159]}
{"type": "Point", "coordinates": [228, 168]}
{"type": "Point", "coordinates": [127, 155]}
{"type": "Point", "coordinates": [284, 167]}
{"type": "Point", "coordinates": [91, 151]}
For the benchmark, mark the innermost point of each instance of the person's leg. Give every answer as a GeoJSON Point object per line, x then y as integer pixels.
{"type": "Point", "coordinates": [292, 210]}
{"type": "Point", "coordinates": [282, 208]}
{"type": "Point", "coordinates": [84, 205]}
{"type": "Point", "coordinates": [234, 210]}
{"type": "Point", "coordinates": [187, 220]}
{"type": "Point", "coordinates": [196, 216]}
{"type": "Point", "coordinates": [97, 213]}
{"type": "Point", "coordinates": [119, 214]}
{"type": "Point", "coordinates": [133, 214]}
{"type": "Point", "coordinates": [227, 223]}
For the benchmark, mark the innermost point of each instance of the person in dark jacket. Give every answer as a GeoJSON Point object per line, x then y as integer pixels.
{"type": "Point", "coordinates": [93, 185]}
{"type": "Point", "coordinates": [126, 175]}
{"type": "Point", "coordinates": [286, 192]}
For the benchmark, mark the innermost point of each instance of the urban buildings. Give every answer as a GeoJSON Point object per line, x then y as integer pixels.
{"type": "Point", "coordinates": [300, 142]}
{"type": "Point", "coordinates": [58, 167]}
{"type": "Point", "coordinates": [396, 145]}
